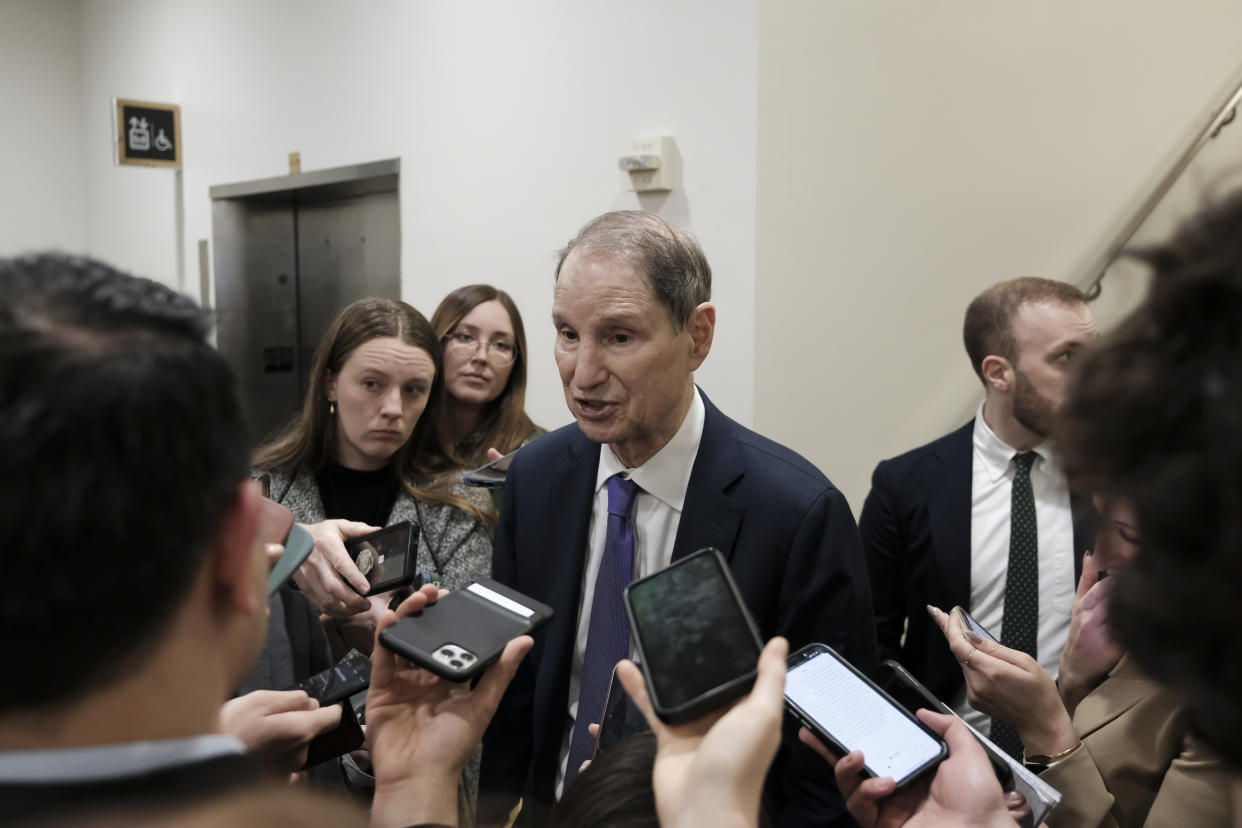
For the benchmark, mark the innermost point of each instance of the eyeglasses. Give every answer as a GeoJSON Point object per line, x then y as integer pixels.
{"type": "Point", "coordinates": [464, 345]}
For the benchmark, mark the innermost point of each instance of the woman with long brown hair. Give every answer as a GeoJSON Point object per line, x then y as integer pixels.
{"type": "Point", "coordinates": [366, 448]}
{"type": "Point", "coordinates": [485, 373]}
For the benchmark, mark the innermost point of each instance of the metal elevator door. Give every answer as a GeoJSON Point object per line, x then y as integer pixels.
{"type": "Point", "coordinates": [290, 253]}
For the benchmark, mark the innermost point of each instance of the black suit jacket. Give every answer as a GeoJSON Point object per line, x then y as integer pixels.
{"type": "Point", "coordinates": [915, 529]}
{"type": "Point", "coordinates": [792, 545]}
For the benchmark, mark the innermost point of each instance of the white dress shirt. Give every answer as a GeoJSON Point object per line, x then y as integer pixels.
{"type": "Point", "coordinates": [657, 513]}
{"type": "Point", "coordinates": [992, 473]}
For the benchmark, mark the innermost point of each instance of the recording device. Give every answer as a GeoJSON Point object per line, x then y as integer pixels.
{"type": "Point", "coordinates": [969, 622]}
{"type": "Point", "coordinates": [621, 717]}
{"type": "Point", "coordinates": [350, 675]}
{"type": "Point", "coordinates": [910, 693]}
{"type": "Point", "coordinates": [459, 635]}
{"type": "Point", "coordinates": [491, 475]}
{"type": "Point", "coordinates": [847, 711]}
{"type": "Point", "coordinates": [696, 642]}
{"type": "Point", "coordinates": [387, 557]}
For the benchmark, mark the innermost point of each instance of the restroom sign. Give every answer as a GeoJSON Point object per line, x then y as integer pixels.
{"type": "Point", "coordinates": [148, 134]}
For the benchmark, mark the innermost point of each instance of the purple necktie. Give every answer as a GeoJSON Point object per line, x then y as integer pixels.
{"type": "Point", "coordinates": [608, 637]}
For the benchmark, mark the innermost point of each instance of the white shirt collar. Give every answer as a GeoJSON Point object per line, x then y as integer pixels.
{"type": "Point", "coordinates": [103, 762]}
{"type": "Point", "coordinates": [997, 455]}
{"type": "Point", "coordinates": [666, 475]}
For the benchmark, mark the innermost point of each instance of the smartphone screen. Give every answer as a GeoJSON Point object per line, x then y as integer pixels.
{"type": "Point", "coordinates": [384, 557]}
{"type": "Point", "coordinates": [910, 693]}
{"type": "Point", "coordinates": [969, 622]}
{"type": "Point", "coordinates": [350, 675]}
{"type": "Point", "coordinates": [835, 701]}
{"type": "Point", "coordinates": [695, 639]}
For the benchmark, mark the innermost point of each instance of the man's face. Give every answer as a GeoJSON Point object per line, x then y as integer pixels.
{"type": "Point", "coordinates": [1048, 336]}
{"type": "Point", "coordinates": [628, 375]}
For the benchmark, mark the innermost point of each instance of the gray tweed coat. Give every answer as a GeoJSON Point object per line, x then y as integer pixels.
{"type": "Point", "coordinates": [451, 542]}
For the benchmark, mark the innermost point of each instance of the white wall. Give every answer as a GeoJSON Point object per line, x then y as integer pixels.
{"type": "Point", "coordinates": [508, 119]}
{"type": "Point", "coordinates": [856, 171]}
{"type": "Point", "coordinates": [912, 154]}
{"type": "Point", "coordinates": [41, 193]}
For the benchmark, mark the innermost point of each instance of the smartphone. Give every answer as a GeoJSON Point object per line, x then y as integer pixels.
{"type": "Point", "coordinates": [969, 622]}
{"type": "Point", "coordinates": [350, 675]}
{"type": "Point", "coordinates": [491, 475]}
{"type": "Point", "coordinates": [275, 521]}
{"type": "Point", "coordinates": [459, 635]}
{"type": "Point", "coordinates": [386, 557]}
{"type": "Point", "coordinates": [847, 711]}
{"type": "Point", "coordinates": [695, 640]}
{"type": "Point", "coordinates": [910, 693]}
{"type": "Point", "coordinates": [336, 742]}
{"type": "Point", "coordinates": [620, 719]}
{"type": "Point", "coordinates": [298, 546]}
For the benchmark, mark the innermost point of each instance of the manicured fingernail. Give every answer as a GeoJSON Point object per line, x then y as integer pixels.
{"type": "Point", "coordinates": [973, 637]}
{"type": "Point", "coordinates": [932, 611]}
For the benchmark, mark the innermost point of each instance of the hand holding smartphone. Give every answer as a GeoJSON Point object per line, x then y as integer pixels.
{"type": "Point", "coordinates": [847, 711]}
{"type": "Point", "coordinates": [349, 676]}
{"type": "Point", "coordinates": [695, 640]}
{"type": "Point", "coordinates": [968, 622]}
{"type": "Point", "coordinates": [459, 635]}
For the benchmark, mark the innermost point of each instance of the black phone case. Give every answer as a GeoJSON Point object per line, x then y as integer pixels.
{"type": "Point", "coordinates": [621, 717]}
{"type": "Point", "coordinates": [469, 621]}
{"type": "Point", "coordinates": [411, 552]}
{"type": "Point", "coordinates": [718, 696]}
{"type": "Point", "coordinates": [338, 741]}
{"type": "Point", "coordinates": [808, 721]}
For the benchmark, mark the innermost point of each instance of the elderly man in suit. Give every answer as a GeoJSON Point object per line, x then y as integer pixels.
{"type": "Point", "coordinates": [633, 322]}
{"type": "Point", "coordinates": [981, 518]}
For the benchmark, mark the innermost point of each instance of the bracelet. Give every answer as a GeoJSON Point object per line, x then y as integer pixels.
{"type": "Point", "coordinates": [1039, 762]}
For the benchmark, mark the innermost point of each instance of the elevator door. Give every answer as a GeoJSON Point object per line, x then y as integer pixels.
{"type": "Point", "coordinates": [290, 253]}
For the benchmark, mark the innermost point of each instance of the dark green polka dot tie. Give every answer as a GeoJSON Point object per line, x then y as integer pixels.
{"type": "Point", "coordinates": [1021, 620]}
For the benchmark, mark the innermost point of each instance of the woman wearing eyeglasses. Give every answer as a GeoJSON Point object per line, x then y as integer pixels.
{"type": "Point", "coordinates": [484, 373]}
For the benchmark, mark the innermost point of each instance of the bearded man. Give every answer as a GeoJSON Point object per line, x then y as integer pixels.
{"type": "Point", "coordinates": [981, 518]}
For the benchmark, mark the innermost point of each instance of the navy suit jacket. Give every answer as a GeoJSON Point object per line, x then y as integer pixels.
{"type": "Point", "coordinates": [792, 545]}
{"type": "Point", "coordinates": [915, 529]}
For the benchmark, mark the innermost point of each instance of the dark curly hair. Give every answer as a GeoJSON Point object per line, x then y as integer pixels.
{"type": "Point", "coordinates": [1155, 414]}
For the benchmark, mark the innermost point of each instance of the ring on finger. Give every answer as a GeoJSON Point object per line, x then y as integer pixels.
{"type": "Point", "coordinates": [966, 663]}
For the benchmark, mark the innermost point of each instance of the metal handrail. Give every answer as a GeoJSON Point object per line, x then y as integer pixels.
{"type": "Point", "coordinates": [1093, 274]}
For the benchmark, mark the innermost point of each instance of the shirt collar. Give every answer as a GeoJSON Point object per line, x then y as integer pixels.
{"type": "Point", "coordinates": [997, 455]}
{"type": "Point", "coordinates": [666, 476]}
{"type": "Point", "coordinates": [103, 762]}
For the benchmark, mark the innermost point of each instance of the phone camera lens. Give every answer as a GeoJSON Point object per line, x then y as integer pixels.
{"type": "Point", "coordinates": [447, 652]}
{"type": "Point", "coordinates": [467, 657]}
{"type": "Point", "coordinates": [456, 663]}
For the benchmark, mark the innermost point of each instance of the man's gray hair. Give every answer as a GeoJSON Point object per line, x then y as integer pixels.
{"type": "Point", "coordinates": [667, 256]}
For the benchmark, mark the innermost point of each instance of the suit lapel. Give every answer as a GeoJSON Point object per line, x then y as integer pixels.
{"type": "Point", "coordinates": [948, 485]}
{"type": "Point", "coordinates": [709, 517]}
{"type": "Point", "coordinates": [565, 562]}
{"type": "Point", "coordinates": [1124, 688]}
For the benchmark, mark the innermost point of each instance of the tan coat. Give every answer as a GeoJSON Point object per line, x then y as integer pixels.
{"type": "Point", "coordinates": [1138, 764]}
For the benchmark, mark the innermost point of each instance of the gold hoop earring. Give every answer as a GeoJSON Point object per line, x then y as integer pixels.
{"type": "Point", "coordinates": [332, 407]}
